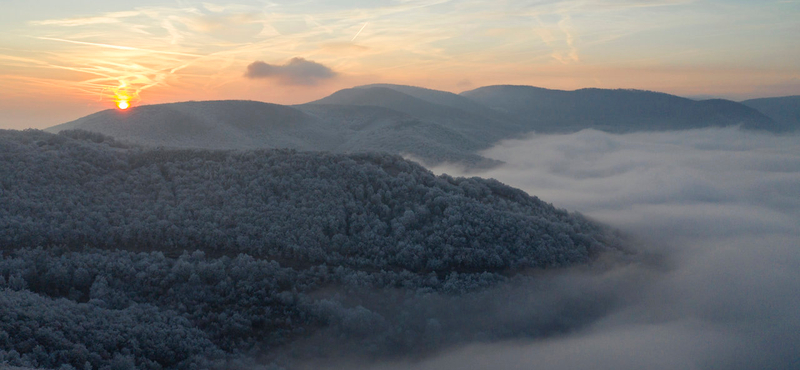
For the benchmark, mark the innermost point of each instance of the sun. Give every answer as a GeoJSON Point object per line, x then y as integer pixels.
{"type": "Point", "coordinates": [122, 104]}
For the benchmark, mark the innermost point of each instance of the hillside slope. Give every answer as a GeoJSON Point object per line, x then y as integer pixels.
{"type": "Point", "coordinates": [447, 99]}
{"type": "Point", "coordinates": [204, 257]}
{"type": "Point", "coordinates": [210, 124]}
{"type": "Point", "coordinates": [252, 125]}
{"type": "Point", "coordinates": [380, 129]}
{"type": "Point", "coordinates": [330, 208]}
{"type": "Point", "coordinates": [615, 110]}
{"type": "Point", "coordinates": [477, 127]}
{"type": "Point", "coordinates": [783, 110]}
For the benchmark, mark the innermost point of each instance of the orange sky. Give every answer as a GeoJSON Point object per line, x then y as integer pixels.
{"type": "Point", "coordinates": [59, 62]}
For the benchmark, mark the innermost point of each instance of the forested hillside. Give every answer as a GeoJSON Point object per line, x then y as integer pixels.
{"type": "Point", "coordinates": [617, 110]}
{"type": "Point", "coordinates": [482, 125]}
{"type": "Point", "coordinates": [231, 124]}
{"type": "Point", "coordinates": [253, 125]}
{"type": "Point", "coordinates": [123, 257]}
{"type": "Point", "coordinates": [783, 110]}
{"type": "Point", "coordinates": [446, 99]}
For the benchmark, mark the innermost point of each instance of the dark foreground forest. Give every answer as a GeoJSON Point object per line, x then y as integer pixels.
{"type": "Point", "coordinates": [117, 257]}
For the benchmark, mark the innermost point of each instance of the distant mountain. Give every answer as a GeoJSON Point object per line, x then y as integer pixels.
{"type": "Point", "coordinates": [123, 257]}
{"type": "Point", "coordinates": [429, 125]}
{"type": "Point", "coordinates": [250, 125]}
{"type": "Point", "coordinates": [783, 110]}
{"type": "Point", "coordinates": [483, 125]}
{"type": "Point", "coordinates": [378, 129]}
{"type": "Point", "coordinates": [211, 124]}
{"type": "Point", "coordinates": [545, 110]}
{"type": "Point", "coordinates": [447, 99]}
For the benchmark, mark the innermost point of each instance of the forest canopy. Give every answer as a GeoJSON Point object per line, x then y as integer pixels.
{"type": "Point", "coordinates": [120, 257]}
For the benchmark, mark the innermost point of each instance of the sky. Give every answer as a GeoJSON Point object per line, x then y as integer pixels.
{"type": "Point", "coordinates": [60, 60]}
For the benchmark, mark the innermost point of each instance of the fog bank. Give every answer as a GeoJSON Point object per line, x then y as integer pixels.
{"type": "Point", "coordinates": [720, 208]}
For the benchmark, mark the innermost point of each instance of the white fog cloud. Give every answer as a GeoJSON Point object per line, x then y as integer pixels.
{"type": "Point", "coordinates": [733, 181]}
{"type": "Point", "coordinates": [720, 207]}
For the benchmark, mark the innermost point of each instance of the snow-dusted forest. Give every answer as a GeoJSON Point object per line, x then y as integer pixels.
{"type": "Point", "coordinates": [123, 257]}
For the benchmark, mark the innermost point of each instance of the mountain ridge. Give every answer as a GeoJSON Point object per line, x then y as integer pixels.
{"type": "Point", "coordinates": [783, 109]}
{"type": "Point", "coordinates": [430, 125]}
{"type": "Point", "coordinates": [616, 110]}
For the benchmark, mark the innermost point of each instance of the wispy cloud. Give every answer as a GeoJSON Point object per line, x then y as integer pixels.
{"type": "Point", "coordinates": [175, 44]}
{"type": "Point", "coordinates": [195, 47]}
{"type": "Point", "coordinates": [359, 31]}
{"type": "Point", "coordinates": [119, 47]}
{"type": "Point", "coordinates": [565, 26]}
{"type": "Point", "coordinates": [110, 18]}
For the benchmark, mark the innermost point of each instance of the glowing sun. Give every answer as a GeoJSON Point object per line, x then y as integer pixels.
{"type": "Point", "coordinates": [123, 105]}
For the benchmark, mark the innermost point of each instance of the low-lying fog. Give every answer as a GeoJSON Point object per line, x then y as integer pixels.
{"type": "Point", "coordinates": [717, 283]}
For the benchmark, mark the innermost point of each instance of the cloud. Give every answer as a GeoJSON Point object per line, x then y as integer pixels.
{"type": "Point", "coordinates": [713, 285]}
{"type": "Point", "coordinates": [109, 18]}
{"type": "Point", "coordinates": [297, 71]}
{"type": "Point", "coordinates": [564, 49]}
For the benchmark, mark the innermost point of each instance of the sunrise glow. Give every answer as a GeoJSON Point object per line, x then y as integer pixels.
{"type": "Point", "coordinates": [400, 184]}
{"type": "Point", "coordinates": [82, 55]}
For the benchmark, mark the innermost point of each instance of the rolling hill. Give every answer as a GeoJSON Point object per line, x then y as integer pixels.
{"type": "Point", "coordinates": [320, 127]}
{"type": "Point", "coordinates": [783, 110]}
{"type": "Point", "coordinates": [480, 128]}
{"type": "Point", "coordinates": [210, 124]}
{"type": "Point", "coordinates": [429, 125]}
{"type": "Point", "coordinates": [447, 99]}
{"type": "Point", "coordinates": [123, 257]}
{"type": "Point", "coordinates": [615, 110]}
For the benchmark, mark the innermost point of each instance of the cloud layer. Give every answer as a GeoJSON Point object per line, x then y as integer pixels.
{"type": "Point", "coordinates": [715, 281]}
{"type": "Point", "coordinates": [296, 71]}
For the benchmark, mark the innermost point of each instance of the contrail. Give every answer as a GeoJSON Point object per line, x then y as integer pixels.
{"type": "Point", "coordinates": [119, 47]}
{"type": "Point", "coordinates": [359, 32]}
